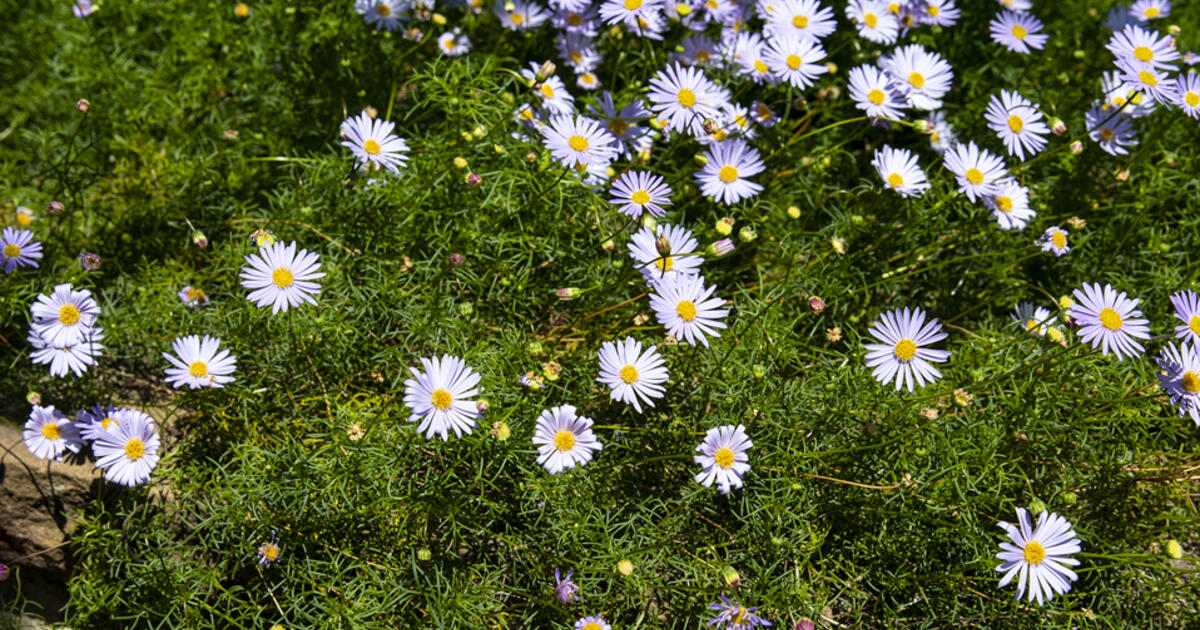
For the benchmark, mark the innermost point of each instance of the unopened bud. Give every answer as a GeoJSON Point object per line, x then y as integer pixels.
{"type": "Point", "coordinates": [1069, 498]}
{"type": "Point", "coordinates": [439, 19]}
{"type": "Point", "coordinates": [925, 126]}
{"type": "Point", "coordinates": [759, 370]}
{"type": "Point", "coordinates": [456, 260]}
{"type": "Point", "coordinates": [1174, 30]}
{"type": "Point", "coordinates": [199, 239]}
{"type": "Point", "coordinates": [83, 105]}
{"type": "Point", "coordinates": [625, 567]}
{"type": "Point", "coordinates": [747, 234]}
{"type": "Point", "coordinates": [466, 309]}
{"type": "Point", "coordinates": [424, 554]}
{"type": "Point", "coordinates": [832, 67]}
{"type": "Point", "coordinates": [720, 248]}
{"type": "Point", "coordinates": [793, 212]}
{"type": "Point", "coordinates": [700, 159]}
{"type": "Point", "coordinates": [1123, 175]}
{"type": "Point", "coordinates": [828, 94]}
{"type": "Point", "coordinates": [804, 624]}
{"type": "Point", "coordinates": [816, 305]}
{"type": "Point", "coordinates": [531, 157]}
{"type": "Point", "coordinates": [724, 226]}
{"type": "Point", "coordinates": [662, 244]}
{"type": "Point", "coordinates": [241, 10]}
{"type": "Point", "coordinates": [460, 162]}
{"type": "Point", "coordinates": [649, 222]}
{"type": "Point", "coordinates": [1037, 506]}
{"type": "Point", "coordinates": [473, 179]}
{"type": "Point", "coordinates": [731, 576]}
{"type": "Point", "coordinates": [34, 398]}
{"type": "Point", "coordinates": [711, 126]}
{"type": "Point", "coordinates": [567, 293]}
{"type": "Point", "coordinates": [90, 261]}
{"type": "Point", "coordinates": [482, 405]}
{"type": "Point", "coordinates": [1058, 126]}
{"type": "Point", "coordinates": [1174, 549]}
{"type": "Point", "coordinates": [55, 207]}
{"type": "Point", "coordinates": [546, 71]}
{"type": "Point", "coordinates": [1076, 147]}
{"type": "Point", "coordinates": [608, 245]}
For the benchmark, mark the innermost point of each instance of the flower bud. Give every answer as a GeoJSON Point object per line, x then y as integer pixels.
{"type": "Point", "coordinates": [1174, 30]}
{"type": "Point", "coordinates": [838, 244]}
{"type": "Point", "coordinates": [804, 624]}
{"type": "Point", "coordinates": [625, 567]}
{"type": "Point", "coordinates": [551, 370]}
{"type": "Point", "coordinates": [1076, 147]}
{"type": "Point", "coordinates": [460, 162]}
{"type": "Point", "coordinates": [648, 221]}
{"type": "Point", "coordinates": [1123, 175]}
{"type": "Point", "coordinates": [34, 398]}
{"type": "Point", "coordinates": [501, 431]}
{"type": "Point", "coordinates": [241, 10]}
{"type": "Point", "coordinates": [700, 159]}
{"type": "Point", "coordinates": [424, 554]}
{"type": "Point", "coordinates": [816, 305]}
{"type": "Point", "coordinates": [925, 126]}
{"type": "Point", "coordinates": [439, 19]}
{"type": "Point", "coordinates": [473, 179]}
{"type": "Point", "coordinates": [720, 248]}
{"type": "Point", "coordinates": [535, 348]}
{"type": "Point", "coordinates": [83, 106]}
{"type": "Point", "coordinates": [1058, 126]}
{"type": "Point", "coordinates": [90, 261]}
{"type": "Point", "coordinates": [793, 212]}
{"type": "Point", "coordinates": [466, 309]}
{"type": "Point", "coordinates": [662, 244]}
{"type": "Point", "coordinates": [747, 234]}
{"type": "Point", "coordinates": [482, 405]}
{"type": "Point", "coordinates": [1069, 498]}
{"type": "Point", "coordinates": [683, 9]}
{"type": "Point", "coordinates": [608, 245]}
{"type": "Point", "coordinates": [567, 293]}
{"type": "Point", "coordinates": [1174, 549]}
{"type": "Point", "coordinates": [531, 157]}
{"type": "Point", "coordinates": [199, 239]}
{"type": "Point", "coordinates": [731, 577]}
{"type": "Point", "coordinates": [711, 126]}
{"type": "Point", "coordinates": [1037, 506]}
{"type": "Point", "coordinates": [546, 71]}
{"type": "Point", "coordinates": [55, 207]}
{"type": "Point", "coordinates": [759, 370]}
{"type": "Point", "coordinates": [456, 260]}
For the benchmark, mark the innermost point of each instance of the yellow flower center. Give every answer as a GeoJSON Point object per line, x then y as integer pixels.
{"type": "Point", "coordinates": [383, 9]}
{"type": "Point", "coordinates": [68, 314]}
{"type": "Point", "coordinates": [629, 374]}
{"type": "Point", "coordinates": [761, 67]}
{"type": "Point", "coordinates": [871, 19]}
{"type": "Point", "coordinates": [1143, 53]}
{"type": "Point", "coordinates": [724, 457]}
{"type": "Point", "coordinates": [618, 127]}
{"type": "Point", "coordinates": [686, 310]}
{"type": "Point", "coordinates": [895, 180]}
{"type": "Point", "coordinates": [547, 90]}
{"type": "Point", "coordinates": [564, 440]}
{"type": "Point", "coordinates": [577, 142]}
{"type": "Point", "coordinates": [1110, 319]}
{"type": "Point", "coordinates": [917, 80]}
{"type": "Point", "coordinates": [134, 449]}
{"type": "Point", "coordinates": [1016, 124]}
{"type": "Point", "coordinates": [576, 56]}
{"type": "Point", "coordinates": [1151, 12]}
{"type": "Point", "coordinates": [1190, 382]}
{"type": "Point", "coordinates": [905, 350]}
{"type": "Point", "coordinates": [441, 399]}
{"type": "Point", "coordinates": [270, 551]}
{"type": "Point", "coordinates": [702, 55]}
{"type": "Point", "coordinates": [665, 263]}
{"type": "Point", "coordinates": [574, 19]}
{"type": "Point", "coordinates": [105, 421]}
{"type": "Point", "coordinates": [932, 10]}
{"type": "Point", "coordinates": [1004, 203]}
{"type": "Point", "coordinates": [686, 97]}
{"type": "Point", "coordinates": [198, 369]}
{"type": "Point", "coordinates": [1059, 239]}
{"type": "Point", "coordinates": [683, 9]}
{"type": "Point", "coordinates": [975, 176]}
{"type": "Point", "coordinates": [1019, 32]}
{"type": "Point", "coordinates": [762, 110]}
{"type": "Point", "coordinates": [1147, 77]}
{"type": "Point", "coordinates": [1034, 552]}
{"type": "Point", "coordinates": [800, 21]}
{"type": "Point", "coordinates": [516, 18]}
{"type": "Point", "coordinates": [1031, 324]}
{"type": "Point", "coordinates": [633, 5]}
{"type": "Point", "coordinates": [640, 197]}
{"type": "Point", "coordinates": [24, 220]}
{"type": "Point", "coordinates": [282, 278]}
{"type": "Point", "coordinates": [876, 96]}
{"type": "Point", "coordinates": [12, 250]}
{"type": "Point", "coordinates": [894, 8]}
{"type": "Point", "coordinates": [794, 61]}
{"type": "Point", "coordinates": [1107, 134]}
{"type": "Point", "coordinates": [728, 174]}
{"type": "Point", "coordinates": [1194, 324]}
{"type": "Point", "coordinates": [371, 147]}
{"type": "Point", "coordinates": [1192, 99]}
{"type": "Point", "coordinates": [51, 431]}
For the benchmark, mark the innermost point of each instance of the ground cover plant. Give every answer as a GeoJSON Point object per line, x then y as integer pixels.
{"type": "Point", "coordinates": [607, 315]}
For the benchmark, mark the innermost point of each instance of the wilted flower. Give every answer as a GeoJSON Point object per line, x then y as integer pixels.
{"type": "Point", "coordinates": [564, 589]}
{"type": "Point", "coordinates": [456, 260]}
{"type": "Point", "coordinates": [90, 261]}
{"type": "Point", "coordinates": [55, 207]}
{"type": "Point", "coordinates": [269, 552]}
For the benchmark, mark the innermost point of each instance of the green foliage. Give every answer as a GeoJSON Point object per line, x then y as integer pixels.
{"type": "Point", "coordinates": [864, 506]}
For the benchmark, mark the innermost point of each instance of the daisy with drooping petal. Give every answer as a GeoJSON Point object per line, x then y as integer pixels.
{"type": "Point", "coordinates": [1146, 10]}
{"type": "Point", "coordinates": [128, 453]}
{"type": "Point", "coordinates": [734, 616]}
{"type": "Point", "coordinates": [98, 420]}
{"type": "Point", "coordinates": [595, 622]}
{"type": "Point", "coordinates": [440, 398]}
{"type": "Point", "coordinates": [1018, 123]}
{"type": "Point", "coordinates": [1112, 131]}
{"type": "Point", "coordinates": [65, 317]}
{"type": "Point", "coordinates": [453, 43]}
{"type": "Point", "coordinates": [280, 277]}
{"type": "Point", "coordinates": [1018, 32]}
{"type": "Point", "coordinates": [74, 358]}
{"type": "Point", "coordinates": [48, 433]}
{"type": "Point", "coordinates": [680, 257]}
{"type": "Point", "coordinates": [977, 170]}
{"type": "Point", "coordinates": [1010, 204]}
{"type": "Point", "coordinates": [564, 589]}
{"type": "Point", "coordinates": [806, 19]}
{"type": "Point", "coordinates": [578, 140]}
{"type": "Point", "coordinates": [18, 249]}
{"type": "Point", "coordinates": [899, 170]}
{"type": "Point", "coordinates": [1180, 378]}
{"type": "Point", "coordinates": [1187, 94]}
{"type": "Point", "coordinates": [1109, 320]}
{"type": "Point", "coordinates": [1187, 310]}
{"type": "Point", "coordinates": [685, 98]}
{"type": "Point", "coordinates": [1121, 97]}
{"type": "Point", "coordinates": [924, 77]}
{"type": "Point", "coordinates": [1136, 45]}
{"type": "Point", "coordinates": [728, 165]}
{"type": "Point", "coordinates": [578, 51]}
{"type": "Point", "coordinates": [873, 21]}
{"type": "Point", "coordinates": [942, 135]}
{"type": "Point", "coordinates": [1034, 319]}
{"type": "Point", "coordinates": [192, 297]}
{"type": "Point", "coordinates": [524, 16]}
{"type": "Point", "coordinates": [875, 93]}
{"type": "Point", "coordinates": [1153, 82]}
{"type": "Point", "coordinates": [564, 440]}
{"type": "Point", "coordinates": [903, 356]}
{"type": "Point", "coordinates": [633, 375]}
{"type": "Point", "coordinates": [629, 136]}
{"type": "Point", "coordinates": [1054, 240]}
{"type": "Point", "coordinates": [1038, 557]}
{"type": "Point", "coordinates": [795, 60]}
{"type": "Point", "coordinates": [723, 457]}
{"type": "Point", "coordinates": [640, 191]}
{"type": "Point", "coordinates": [372, 143]}
{"type": "Point", "coordinates": [686, 309]}
{"type": "Point", "coordinates": [197, 363]}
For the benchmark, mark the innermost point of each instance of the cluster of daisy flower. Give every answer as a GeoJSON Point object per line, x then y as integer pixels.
{"type": "Point", "coordinates": [63, 331]}
{"type": "Point", "coordinates": [123, 441]}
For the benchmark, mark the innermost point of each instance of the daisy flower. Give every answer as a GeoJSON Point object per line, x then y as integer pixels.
{"type": "Point", "coordinates": [686, 309]}
{"type": "Point", "coordinates": [873, 20]}
{"type": "Point", "coordinates": [1020, 6]}
{"type": "Point", "coordinates": [1112, 131]}
{"type": "Point", "coordinates": [1155, 82]}
{"type": "Point", "coordinates": [685, 98]}
{"type": "Point", "coordinates": [65, 317]}
{"type": "Point", "coordinates": [795, 60]}
{"type": "Point", "coordinates": [629, 136]}
{"type": "Point", "coordinates": [722, 454]}
{"type": "Point", "coordinates": [1109, 320]}
{"type": "Point", "coordinates": [734, 616]}
{"type": "Point", "coordinates": [1037, 557]}
{"type": "Point", "coordinates": [638, 191]}
{"type": "Point", "coordinates": [564, 440]}
{"type": "Point", "coordinates": [578, 50]}
{"type": "Point", "coordinates": [942, 137]}
{"type": "Point", "coordinates": [197, 363]}
{"type": "Point", "coordinates": [806, 19]}
{"type": "Point", "coordinates": [1054, 240]}
{"type": "Point", "coordinates": [192, 297]}
{"type": "Point", "coordinates": [588, 81]}
{"type": "Point", "coordinates": [899, 170]}
{"type": "Point", "coordinates": [1180, 378]}
{"type": "Point", "coordinates": [94, 422]}
{"type": "Point", "coordinates": [724, 175]}
{"type": "Point", "coordinates": [269, 551]}
{"type": "Point", "coordinates": [1138, 46]}
{"type": "Point", "coordinates": [453, 43]}
{"type": "Point", "coordinates": [680, 258]}
{"type": "Point", "coordinates": [19, 249]}
{"type": "Point", "coordinates": [441, 397]}
{"type": "Point", "coordinates": [524, 16]}
{"type": "Point", "coordinates": [1187, 310]}
{"type": "Point", "coordinates": [48, 433]}
{"type": "Point", "coordinates": [763, 115]}
{"type": "Point", "coordinates": [1018, 123]}
{"type": "Point", "coordinates": [73, 358]}
{"type": "Point", "coordinates": [83, 8]}
{"type": "Point", "coordinates": [1010, 204]}
{"type": "Point", "coordinates": [1018, 32]}
{"type": "Point", "coordinates": [385, 15]}
{"type": "Point", "coordinates": [633, 375]}
{"type": "Point", "coordinates": [937, 12]}
{"type": "Point", "coordinates": [903, 356]}
{"type": "Point", "coordinates": [977, 170]}
{"type": "Point", "coordinates": [129, 452]}
{"type": "Point", "coordinates": [579, 17]}
{"type": "Point", "coordinates": [874, 92]}
{"type": "Point", "coordinates": [636, 15]}
{"type": "Point", "coordinates": [923, 76]}
{"type": "Point", "coordinates": [1146, 10]}
{"type": "Point", "coordinates": [596, 622]}
{"type": "Point", "coordinates": [1187, 90]}
{"type": "Point", "coordinates": [1034, 319]}
{"type": "Point", "coordinates": [1124, 98]}
{"type": "Point", "coordinates": [281, 278]}
{"type": "Point", "coordinates": [578, 140]}
{"type": "Point", "coordinates": [372, 143]}
{"type": "Point", "coordinates": [697, 50]}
